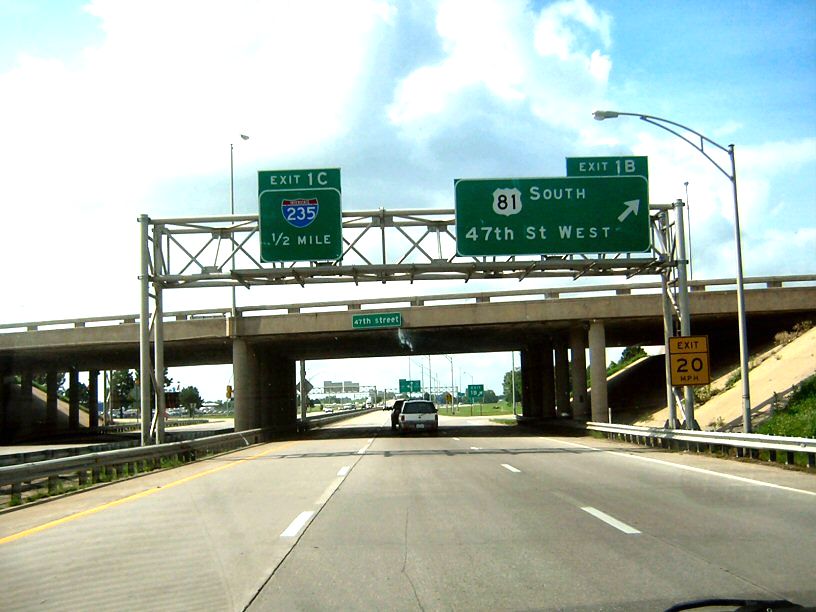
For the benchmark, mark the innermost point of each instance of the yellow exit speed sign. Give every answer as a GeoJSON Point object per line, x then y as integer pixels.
{"type": "Point", "coordinates": [689, 361]}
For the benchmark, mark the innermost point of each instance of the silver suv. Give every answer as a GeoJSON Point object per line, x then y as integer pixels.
{"type": "Point", "coordinates": [418, 415]}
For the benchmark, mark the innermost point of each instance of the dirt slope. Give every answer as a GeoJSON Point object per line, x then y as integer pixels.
{"type": "Point", "coordinates": [775, 371]}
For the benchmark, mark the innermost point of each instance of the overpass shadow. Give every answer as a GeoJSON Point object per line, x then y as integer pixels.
{"type": "Point", "coordinates": [553, 428]}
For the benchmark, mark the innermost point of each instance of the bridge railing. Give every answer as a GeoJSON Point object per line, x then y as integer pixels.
{"type": "Point", "coordinates": [547, 293]}
{"type": "Point", "coordinates": [751, 445]}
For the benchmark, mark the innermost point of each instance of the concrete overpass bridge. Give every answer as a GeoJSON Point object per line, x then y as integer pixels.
{"type": "Point", "coordinates": [263, 343]}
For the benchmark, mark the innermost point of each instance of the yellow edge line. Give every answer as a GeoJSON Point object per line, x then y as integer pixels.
{"type": "Point", "coordinates": [134, 497]}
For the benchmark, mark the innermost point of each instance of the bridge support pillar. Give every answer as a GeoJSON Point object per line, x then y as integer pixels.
{"type": "Point", "coordinates": [578, 345]}
{"type": "Point", "coordinates": [26, 398]}
{"type": "Point", "coordinates": [51, 400]}
{"type": "Point", "coordinates": [597, 370]}
{"type": "Point", "coordinates": [93, 399]}
{"type": "Point", "coordinates": [562, 400]}
{"type": "Point", "coordinates": [546, 374]}
{"type": "Point", "coordinates": [278, 393]}
{"type": "Point", "coordinates": [73, 399]}
{"type": "Point", "coordinates": [527, 375]}
{"type": "Point", "coordinates": [5, 406]}
{"type": "Point", "coordinates": [247, 389]}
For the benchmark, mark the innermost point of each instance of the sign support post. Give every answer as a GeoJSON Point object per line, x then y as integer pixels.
{"type": "Point", "coordinates": [682, 289]}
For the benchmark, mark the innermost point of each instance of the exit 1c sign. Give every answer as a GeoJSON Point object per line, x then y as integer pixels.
{"type": "Point", "coordinates": [300, 215]}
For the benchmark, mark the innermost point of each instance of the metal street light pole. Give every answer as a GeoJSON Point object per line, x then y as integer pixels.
{"type": "Point", "coordinates": [699, 143]}
{"type": "Point", "coordinates": [232, 212]}
{"type": "Point", "coordinates": [688, 231]}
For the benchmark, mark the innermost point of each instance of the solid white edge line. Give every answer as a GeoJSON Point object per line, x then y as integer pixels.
{"type": "Point", "coordinates": [509, 467]}
{"type": "Point", "coordinates": [690, 468]}
{"type": "Point", "coordinates": [610, 520]}
{"type": "Point", "coordinates": [295, 526]}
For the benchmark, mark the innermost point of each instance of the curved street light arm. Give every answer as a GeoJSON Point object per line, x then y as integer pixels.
{"type": "Point", "coordinates": [664, 125]}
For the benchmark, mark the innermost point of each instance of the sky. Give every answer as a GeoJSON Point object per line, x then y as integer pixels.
{"type": "Point", "coordinates": [112, 109]}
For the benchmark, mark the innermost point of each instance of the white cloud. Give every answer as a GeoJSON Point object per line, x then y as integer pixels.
{"type": "Point", "coordinates": [542, 60]}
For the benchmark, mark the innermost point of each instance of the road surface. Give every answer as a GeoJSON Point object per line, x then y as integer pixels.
{"type": "Point", "coordinates": [354, 517]}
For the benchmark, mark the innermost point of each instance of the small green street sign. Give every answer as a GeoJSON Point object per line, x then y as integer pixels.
{"type": "Point", "coordinates": [608, 166]}
{"type": "Point", "coordinates": [552, 216]}
{"type": "Point", "coordinates": [300, 215]}
{"type": "Point", "coordinates": [475, 391]}
{"type": "Point", "coordinates": [409, 386]}
{"type": "Point", "coordinates": [376, 320]}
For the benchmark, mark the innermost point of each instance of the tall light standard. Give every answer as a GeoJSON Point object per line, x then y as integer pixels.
{"type": "Point", "coordinates": [453, 387]}
{"type": "Point", "coordinates": [232, 212]}
{"type": "Point", "coordinates": [698, 142]}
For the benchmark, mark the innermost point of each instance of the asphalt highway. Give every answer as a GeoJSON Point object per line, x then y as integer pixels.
{"type": "Point", "coordinates": [475, 517]}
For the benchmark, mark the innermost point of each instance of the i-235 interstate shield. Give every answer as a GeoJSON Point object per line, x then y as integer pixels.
{"type": "Point", "coordinates": [689, 361]}
{"type": "Point", "coordinates": [552, 216]}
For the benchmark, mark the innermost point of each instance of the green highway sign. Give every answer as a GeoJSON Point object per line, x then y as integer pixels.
{"type": "Point", "coordinates": [377, 320]}
{"type": "Point", "coordinates": [475, 391]}
{"type": "Point", "coordinates": [409, 386]}
{"type": "Point", "coordinates": [300, 215]}
{"type": "Point", "coordinates": [608, 166]}
{"type": "Point", "coordinates": [552, 216]}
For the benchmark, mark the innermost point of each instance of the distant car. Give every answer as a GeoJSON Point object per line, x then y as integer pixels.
{"type": "Point", "coordinates": [395, 413]}
{"type": "Point", "coordinates": [327, 409]}
{"type": "Point", "coordinates": [418, 415]}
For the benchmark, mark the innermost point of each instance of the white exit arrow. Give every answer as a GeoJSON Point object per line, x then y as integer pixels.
{"type": "Point", "coordinates": [632, 206]}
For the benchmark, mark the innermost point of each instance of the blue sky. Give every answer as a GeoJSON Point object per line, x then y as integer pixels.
{"type": "Point", "coordinates": [112, 109]}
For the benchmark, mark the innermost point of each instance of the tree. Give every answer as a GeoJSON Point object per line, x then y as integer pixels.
{"type": "Point", "coordinates": [507, 386]}
{"type": "Point", "coordinates": [191, 398]}
{"type": "Point", "coordinates": [122, 383]}
{"type": "Point", "coordinates": [489, 397]}
{"type": "Point", "coordinates": [631, 353]}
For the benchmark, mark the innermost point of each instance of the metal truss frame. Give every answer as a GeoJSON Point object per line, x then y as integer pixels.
{"type": "Point", "coordinates": [378, 246]}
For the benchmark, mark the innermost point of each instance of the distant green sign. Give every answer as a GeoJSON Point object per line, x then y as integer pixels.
{"type": "Point", "coordinates": [409, 386]}
{"type": "Point", "coordinates": [608, 166]}
{"type": "Point", "coordinates": [300, 215]}
{"type": "Point", "coordinates": [475, 391]}
{"type": "Point", "coordinates": [552, 216]}
{"type": "Point", "coordinates": [377, 320]}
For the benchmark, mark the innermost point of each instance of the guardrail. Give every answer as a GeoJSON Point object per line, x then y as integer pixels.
{"type": "Point", "coordinates": [767, 282]}
{"type": "Point", "coordinates": [756, 446]}
{"type": "Point", "coordinates": [53, 474]}
{"type": "Point", "coordinates": [318, 420]}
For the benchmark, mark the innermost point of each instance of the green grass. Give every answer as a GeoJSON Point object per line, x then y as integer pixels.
{"type": "Point", "coordinates": [467, 410]}
{"type": "Point", "coordinates": [798, 419]}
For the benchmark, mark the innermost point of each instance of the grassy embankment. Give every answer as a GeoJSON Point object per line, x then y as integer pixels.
{"type": "Point", "coordinates": [797, 419]}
